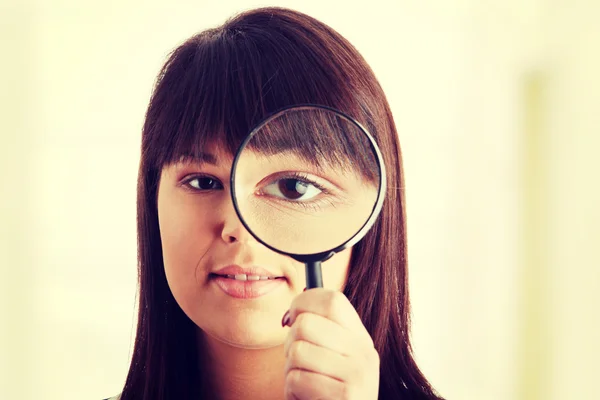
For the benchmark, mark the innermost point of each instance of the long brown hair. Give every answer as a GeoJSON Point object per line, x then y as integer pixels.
{"type": "Point", "coordinates": [215, 87]}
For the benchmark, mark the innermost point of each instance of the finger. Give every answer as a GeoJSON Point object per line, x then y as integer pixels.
{"type": "Point", "coordinates": [322, 332]}
{"type": "Point", "coordinates": [307, 385]}
{"type": "Point", "coordinates": [332, 305]}
{"type": "Point", "coordinates": [309, 357]}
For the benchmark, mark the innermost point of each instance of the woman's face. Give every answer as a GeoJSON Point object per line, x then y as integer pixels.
{"type": "Point", "coordinates": [201, 234]}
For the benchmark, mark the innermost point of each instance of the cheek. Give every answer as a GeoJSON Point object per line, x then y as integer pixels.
{"type": "Point", "coordinates": [186, 237]}
{"type": "Point", "coordinates": [335, 270]}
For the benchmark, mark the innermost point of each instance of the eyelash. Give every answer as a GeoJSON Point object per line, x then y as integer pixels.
{"type": "Point", "coordinates": [187, 180]}
{"type": "Point", "coordinates": [313, 205]}
{"type": "Point", "coordinates": [304, 178]}
{"type": "Point", "coordinates": [309, 205]}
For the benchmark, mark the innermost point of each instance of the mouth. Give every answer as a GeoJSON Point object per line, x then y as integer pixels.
{"type": "Point", "coordinates": [246, 273]}
{"type": "Point", "coordinates": [246, 277]}
{"type": "Point", "coordinates": [247, 286]}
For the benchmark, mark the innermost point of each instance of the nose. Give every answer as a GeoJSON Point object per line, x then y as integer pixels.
{"type": "Point", "coordinates": [233, 231]}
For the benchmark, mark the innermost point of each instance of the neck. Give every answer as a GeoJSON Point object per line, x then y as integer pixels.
{"type": "Point", "coordinates": [237, 374]}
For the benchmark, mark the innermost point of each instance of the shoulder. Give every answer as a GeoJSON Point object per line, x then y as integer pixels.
{"type": "Point", "coordinates": [117, 397]}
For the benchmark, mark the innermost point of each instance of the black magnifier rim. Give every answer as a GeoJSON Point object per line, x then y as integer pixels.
{"type": "Point", "coordinates": [320, 256]}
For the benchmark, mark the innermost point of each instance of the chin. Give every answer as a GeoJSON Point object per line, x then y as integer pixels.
{"type": "Point", "coordinates": [253, 344]}
{"type": "Point", "coordinates": [247, 333]}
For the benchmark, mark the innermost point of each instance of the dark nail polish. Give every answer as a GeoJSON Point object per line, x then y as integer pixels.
{"type": "Point", "coordinates": [286, 318]}
{"type": "Point", "coordinates": [304, 290]}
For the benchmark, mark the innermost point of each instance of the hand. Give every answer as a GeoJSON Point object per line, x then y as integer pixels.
{"type": "Point", "coordinates": [330, 354]}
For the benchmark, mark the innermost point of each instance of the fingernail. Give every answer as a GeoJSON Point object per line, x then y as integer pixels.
{"type": "Point", "coordinates": [286, 318]}
{"type": "Point", "coordinates": [304, 290]}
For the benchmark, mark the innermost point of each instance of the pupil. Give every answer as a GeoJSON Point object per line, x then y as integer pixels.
{"type": "Point", "coordinates": [206, 183]}
{"type": "Point", "coordinates": [293, 188]}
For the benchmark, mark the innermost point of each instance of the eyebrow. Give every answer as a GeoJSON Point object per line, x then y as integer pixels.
{"type": "Point", "coordinates": [201, 158]}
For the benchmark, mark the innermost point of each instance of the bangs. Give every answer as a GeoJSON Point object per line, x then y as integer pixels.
{"type": "Point", "coordinates": [221, 83]}
{"type": "Point", "coordinates": [192, 104]}
{"type": "Point", "coordinates": [319, 137]}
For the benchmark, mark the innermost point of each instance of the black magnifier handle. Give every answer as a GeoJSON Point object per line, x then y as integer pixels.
{"type": "Point", "coordinates": [314, 279]}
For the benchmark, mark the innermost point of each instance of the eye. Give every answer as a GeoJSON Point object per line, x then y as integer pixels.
{"type": "Point", "coordinates": [203, 183]}
{"type": "Point", "coordinates": [294, 188]}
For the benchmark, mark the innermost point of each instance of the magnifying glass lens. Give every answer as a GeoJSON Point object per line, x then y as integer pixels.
{"type": "Point", "coordinates": [307, 180]}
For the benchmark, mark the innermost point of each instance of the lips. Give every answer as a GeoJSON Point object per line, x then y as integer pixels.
{"type": "Point", "coordinates": [233, 270]}
{"type": "Point", "coordinates": [246, 283]}
{"type": "Point", "coordinates": [247, 277]}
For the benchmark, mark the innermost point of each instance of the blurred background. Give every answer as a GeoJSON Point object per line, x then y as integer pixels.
{"type": "Point", "coordinates": [497, 105]}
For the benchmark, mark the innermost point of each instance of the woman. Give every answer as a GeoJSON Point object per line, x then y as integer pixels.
{"type": "Point", "coordinates": [348, 340]}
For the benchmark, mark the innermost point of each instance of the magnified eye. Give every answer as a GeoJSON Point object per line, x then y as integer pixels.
{"type": "Point", "coordinates": [293, 188]}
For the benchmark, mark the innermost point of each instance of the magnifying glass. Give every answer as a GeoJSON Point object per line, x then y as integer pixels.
{"type": "Point", "coordinates": [308, 182]}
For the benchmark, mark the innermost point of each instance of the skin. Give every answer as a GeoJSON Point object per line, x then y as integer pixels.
{"type": "Point", "coordinates": [324, 352]}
